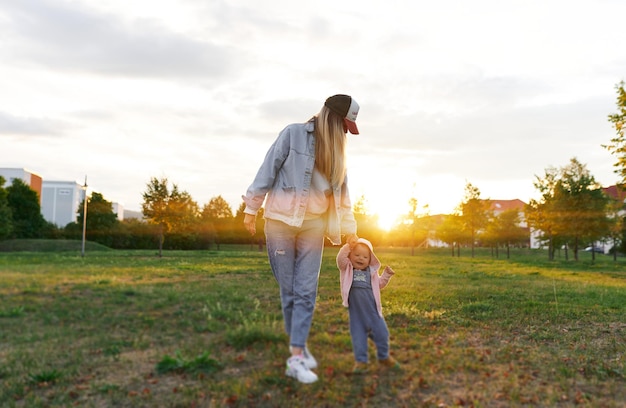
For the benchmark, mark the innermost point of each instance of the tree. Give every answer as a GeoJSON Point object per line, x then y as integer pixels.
{"type": "Point", "coordinates": [504, 230]}
{"type": "Point", "coordinates": [367, 223]}
{"type": "Point", "coordinates": [134, 233]}
{"type": "Point", "coordinates": [217, 212]}
{"type": "Point", "coordinates": [573, 207]}
{"type": "Point", "coordinates": [169, 210]}
{"type": "Point", "coordinates": [217, 207]}
{"type": "Point", "coordinates": [416, 225]}
{"type": "Point", "coordinates": [451, 232]}
{"type": "Point", "coordinates": [26, 211]}
{"type": "Point", "coordinates": [474, 213]}
{"type": "Point", "coordinates": [6, 219]}
{"type": "Point", "coordinates": [617, 147]}
{"type": "Point", "coordinates": [582, 206]}
{"type": "Point", "coordinates": [183, 211]}
{"type": "Point", "coordinates": [101, 220]}
{"type": "Point", "coordinates": [539, 212]}
{"type": "Point", "coordinates": [616, 224]}
{"type": "Point", "coordinates": [183, 221]}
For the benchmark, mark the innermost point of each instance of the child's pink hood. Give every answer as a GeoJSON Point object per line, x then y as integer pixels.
{"type": "Point", "coordinates": [374, 261]}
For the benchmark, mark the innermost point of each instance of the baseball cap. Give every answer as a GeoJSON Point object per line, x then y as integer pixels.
{"type": "Point", "coordinates": [346, 107]}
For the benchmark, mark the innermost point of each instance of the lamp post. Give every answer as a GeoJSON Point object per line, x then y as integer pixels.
{"type": "Point", "coordinates": [82, 251]}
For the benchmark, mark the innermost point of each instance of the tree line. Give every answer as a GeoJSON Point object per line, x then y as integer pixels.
{"type": "Point", "coordinates": [572, 213]}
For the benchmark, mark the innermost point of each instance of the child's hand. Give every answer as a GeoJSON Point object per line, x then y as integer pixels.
{"type": "Point", "coordinates": [351, 240]}
{"type": "Point", "coordinates": [389, 270]}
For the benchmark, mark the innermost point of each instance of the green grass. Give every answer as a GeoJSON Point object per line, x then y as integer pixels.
{"type": "Point", "coordinates": [204, 328]}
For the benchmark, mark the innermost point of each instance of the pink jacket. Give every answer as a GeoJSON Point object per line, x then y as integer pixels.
{"type": "Point", "coordinates": [346, 272]}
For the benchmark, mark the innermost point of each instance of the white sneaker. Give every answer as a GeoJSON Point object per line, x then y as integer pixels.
{"type": "Point", "coordinates": [309, 361]}
{"type": "Point", "coordinates": [298, 370]}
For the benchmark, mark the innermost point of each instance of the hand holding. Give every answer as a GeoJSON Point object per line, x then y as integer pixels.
{"type": "Point", "coordinates": [351, 240]}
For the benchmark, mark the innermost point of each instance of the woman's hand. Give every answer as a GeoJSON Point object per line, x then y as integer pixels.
{"type": "Point", "coordinates": [249, 221]}
{"type": "Point", "coordinates": [351, 240]}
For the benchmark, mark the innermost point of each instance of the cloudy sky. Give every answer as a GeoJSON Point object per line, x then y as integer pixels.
{"type": "Point", "coordinates": [488, 92]}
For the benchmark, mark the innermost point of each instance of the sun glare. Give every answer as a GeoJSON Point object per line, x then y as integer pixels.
{"type": "Point", "coordinates": [388, 212]}
{"type": "Point", "coordinates": [387, 221]}
{"type": "Point", "coordinates": [389, 198]}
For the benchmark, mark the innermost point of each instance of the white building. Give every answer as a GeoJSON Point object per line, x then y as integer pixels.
{"type": "Point", "coordinates": [60, 201]}
{"type": "Point", "coordinates": [117, 209]}
{"type": "Point", "coordinates": [28, 177]}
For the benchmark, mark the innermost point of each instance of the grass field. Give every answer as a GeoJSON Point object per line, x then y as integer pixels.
{"type": "Point", "coordinates": [204, 329]}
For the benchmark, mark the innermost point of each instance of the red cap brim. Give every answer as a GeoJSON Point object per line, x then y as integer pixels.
{"type": "Point", "coordinates": [351, 126]}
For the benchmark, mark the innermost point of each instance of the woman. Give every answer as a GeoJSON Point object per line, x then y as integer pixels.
{"type": "Point", "coordinates": [304, 186]}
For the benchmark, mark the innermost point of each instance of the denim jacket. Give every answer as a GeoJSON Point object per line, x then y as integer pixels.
{"type": "Point", "coordinates": [285, 178]}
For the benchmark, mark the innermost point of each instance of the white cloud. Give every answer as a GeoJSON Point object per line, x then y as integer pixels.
{"type": "Point", "coordinates": [64, 36]}
{"type": "Point", "coordinates": [29, 127]}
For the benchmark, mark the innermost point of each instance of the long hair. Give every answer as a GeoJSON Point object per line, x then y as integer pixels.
{"type": "Point", "coordinates": [330, 146]}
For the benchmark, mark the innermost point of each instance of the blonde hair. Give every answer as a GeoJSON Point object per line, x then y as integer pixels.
{"type": "Point", "coordinates": [330, 146]}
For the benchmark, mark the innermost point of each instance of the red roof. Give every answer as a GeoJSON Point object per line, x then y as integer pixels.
{"type": "Point", "coordinates": [499, 206]}
{"type": "Point", "coordinates": [615, 192]}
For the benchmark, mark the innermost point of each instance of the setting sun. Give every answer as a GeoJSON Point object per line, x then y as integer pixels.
{"type": "Point", "coordinates": [391, 201]}
{"type": "Point", "coordinates": [387, 221]}
{"type": "Point", "coordinates": [389, 213]}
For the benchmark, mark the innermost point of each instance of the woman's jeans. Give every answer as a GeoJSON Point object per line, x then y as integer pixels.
{"type": "Point", "coordinates": [295, 255]}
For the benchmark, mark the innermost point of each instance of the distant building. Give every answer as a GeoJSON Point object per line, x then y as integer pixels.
{"type": "Point", "coordinates": [28, 177]}
{"type": "Point", "coordinates": [500, 206]}
{"type": "Point", "coordinates": [432, 241]}
{"type": "Point", "coordinates": [60, 201]}
{"type": "Point", "coordinates": [129, 215]}
{"type": "Point", "coordinates": [118, 209]}
{"type": "Point", "coordinates": [616, 193]}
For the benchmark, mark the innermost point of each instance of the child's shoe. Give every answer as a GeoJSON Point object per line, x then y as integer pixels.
{"type": "Point", "coordinates": [359, 368]}
{"type": "Point", "coordinates": [297, 369]}
{"type": "Point", "coordinates": [389, 362]}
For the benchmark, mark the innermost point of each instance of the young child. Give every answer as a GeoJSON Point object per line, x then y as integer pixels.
{"type": "Point", "coordinates": [360, 293]}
